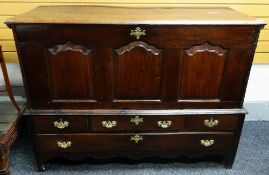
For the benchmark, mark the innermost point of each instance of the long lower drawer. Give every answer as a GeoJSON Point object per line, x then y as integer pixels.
{"type": "Point", "coordinates": [134, 141]}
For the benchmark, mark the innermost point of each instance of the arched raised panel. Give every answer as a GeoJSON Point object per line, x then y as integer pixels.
{"type": "Point", "coordinates": [137, 72]}
{"type": "Point", "coordinates": [71, 72]}
{"type": "Point", "coordinates": [202, 72]}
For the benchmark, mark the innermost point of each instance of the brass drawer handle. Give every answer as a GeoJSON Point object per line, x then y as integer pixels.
{"type": "Point", "coordinates": [207, 143]}
{"type": "Point", "coordinates": [64, 145]}
{"type": "Point", "coordinates": [136, 120]}
{"type": "Point", "coordinates": [211, 123]}
{"type": "Point", "coordinates": [136, 138]}
{"type": "Point", "coordinates": [164, 124]}
{"type": "Point", "coordinates": [61, 124]}
{"type": "Point", "coordinates": [138, 33]}
{"type": "Point", "coordinates": [109, 124]}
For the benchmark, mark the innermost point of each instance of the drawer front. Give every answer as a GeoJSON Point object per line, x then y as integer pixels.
{"type": "Point", "coordinates": [137, 123]}
{"type": "Point", "coordinates": [134, 142]}
{"type": "Point", "coordinates": [212, 122]}
{"type": "Point", "coordinates": [45, 124]}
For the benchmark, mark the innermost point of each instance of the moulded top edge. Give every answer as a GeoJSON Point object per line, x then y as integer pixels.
{"type": "Point", "coordinates": [135, 15]}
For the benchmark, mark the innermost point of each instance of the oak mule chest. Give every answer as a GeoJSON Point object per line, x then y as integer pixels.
{"type": "Point", "coordinates": [104, 82]}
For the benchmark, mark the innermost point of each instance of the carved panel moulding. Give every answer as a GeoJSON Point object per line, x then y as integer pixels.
{"type": "Point", "coordinates": [134, 44]}
{"type": "Point", "coordinates": [206, 47]}
{"type": "Point", "coordinates": [69, 46]}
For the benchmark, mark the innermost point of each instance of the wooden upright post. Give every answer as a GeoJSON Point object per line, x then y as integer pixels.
{"type": "Point", "coordinates": [6, 80]}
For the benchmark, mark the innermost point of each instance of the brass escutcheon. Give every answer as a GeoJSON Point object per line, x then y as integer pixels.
{"type": "Point", "coordinates": [136, 120]}
{"type": "Point", "coordinates": [136, 138]}
{"type": "Point", "coordinates": [138, 33]}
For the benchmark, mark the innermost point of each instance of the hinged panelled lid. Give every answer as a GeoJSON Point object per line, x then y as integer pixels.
{"type": "Point", "coordinates": [135, 15]}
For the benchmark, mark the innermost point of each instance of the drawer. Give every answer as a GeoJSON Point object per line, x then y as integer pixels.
{"type": "Point", "coordinates": [50, 124]}
{"type": "Point", "coordinates": [136, 123]}
{"type": "Point", "coordinates": [212, 122]}
{"type": "Point", "coordinates": [134, 142]}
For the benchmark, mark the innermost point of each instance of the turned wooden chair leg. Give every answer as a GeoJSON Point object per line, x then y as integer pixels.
{"type": "Point", "coordinates": [7, 83]}
{"type": "Point", "coordinates": [4, 165]}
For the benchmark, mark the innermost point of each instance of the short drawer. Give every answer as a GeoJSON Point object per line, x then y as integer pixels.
{"type": "Point", "coordinates": [45, 124]}
{"type": "Point", "coordinates": [136, 123]}
{"type": "Point", "coordinates": [134, 142]}
{"type": "Point", "coordinates": [212, 122]}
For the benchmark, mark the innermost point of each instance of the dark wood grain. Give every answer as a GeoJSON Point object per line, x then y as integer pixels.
{"type": "Point", "coordinates": [116, 36]}
{"type": "Point", "coordinates": [206, 47]}
{"type": "Point", "coordinates": [73, 67]}
{"type": "Point", "coordinates": [148, 123]}
{"type": "Point", "coordinates": [44, 124]}
{"type": "Point", "coordinates": [143, 72]}
{"type": "Point", "coordinates": [103, 69]}
{"type": "Point", "coordinates": [69, 46]}
{"type": "Point", "coordinates": [151, 141]}
{"type": "Point", "coordinates": [87, 74]}
{"type": "Point", "coordinates": [225, 122]}
{"type": "Point", "coordinates": [134, 44]}
{"type": "Point", "coordinates": [202, 72]}
{"type": "Point", "coordinates": [139, 69]}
